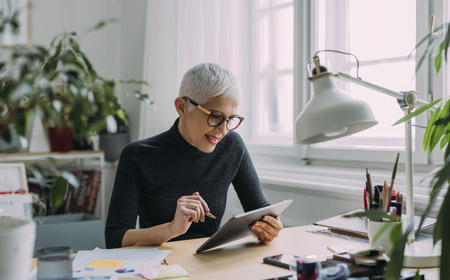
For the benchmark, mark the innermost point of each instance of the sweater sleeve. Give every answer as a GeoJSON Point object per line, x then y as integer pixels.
{"type": "Point", "coordinates": [246, 182]}
{"type": "Point", "coordinates": [123, 207]}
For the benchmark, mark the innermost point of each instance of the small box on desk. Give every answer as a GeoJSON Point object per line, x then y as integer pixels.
{"type": "Point", "coordinates": [81, 231]}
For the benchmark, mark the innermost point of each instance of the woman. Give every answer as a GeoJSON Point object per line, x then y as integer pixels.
{"type": "Point", "coordinates": [172, 180]}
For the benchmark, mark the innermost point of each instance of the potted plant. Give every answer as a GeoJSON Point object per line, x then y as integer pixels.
{"type": "Point", "coordinates": [114, 134]}
{"type": "Point", "coordinates": [437, 132]}
{"type": "Point", "coordinates": [60, 85]}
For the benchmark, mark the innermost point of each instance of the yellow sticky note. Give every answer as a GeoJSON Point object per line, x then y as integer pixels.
{"type": "Point", "coordinates": [106, 263]}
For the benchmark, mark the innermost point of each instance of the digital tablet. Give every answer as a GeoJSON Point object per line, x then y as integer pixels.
{"type": "Point", "coordinates": [238, 226]}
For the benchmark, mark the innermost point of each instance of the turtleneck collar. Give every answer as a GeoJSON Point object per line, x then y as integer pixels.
{"type": "Point", "coordinates": [179, 141]}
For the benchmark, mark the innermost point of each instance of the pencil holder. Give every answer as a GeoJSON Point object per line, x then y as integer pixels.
{"type": "Point", "coordinates": [380, 235]}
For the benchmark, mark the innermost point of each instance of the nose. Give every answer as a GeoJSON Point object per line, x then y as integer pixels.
{"type": "Point", "coordinates": [223, 127]}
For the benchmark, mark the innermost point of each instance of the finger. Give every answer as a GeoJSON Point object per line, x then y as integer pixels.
{"type": "Point", "coordinates": [190, 214]}
{"type": "Point", "coordinates": [267, 228]}
{"type": "Point", "coordinates": [196, 195]}
{"type": "Point", "coordinates": [274, 222]}
{"type": "Point", "coordinates": [262, 234]}
{"type": "Point", "coordinates": [196, 206]}
{"type": "Point", "coordinates": [205, 207]}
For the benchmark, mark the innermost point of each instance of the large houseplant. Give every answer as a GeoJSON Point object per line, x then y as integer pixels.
{"type": "Point", "coordinates": [60, 85]}
{"type": "Point", "coordinates": [437, 132]}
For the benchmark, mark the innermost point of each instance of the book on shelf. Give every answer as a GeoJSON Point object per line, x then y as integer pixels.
{"type": "Point", "coordinates": [81, 199]}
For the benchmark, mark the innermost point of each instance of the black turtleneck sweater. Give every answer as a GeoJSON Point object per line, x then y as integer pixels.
{"type": "Point", "coordinates": [153, 173]}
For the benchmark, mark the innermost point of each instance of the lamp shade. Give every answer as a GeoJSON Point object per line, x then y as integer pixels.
{"type": "Point", "coordinates": [331, 113]}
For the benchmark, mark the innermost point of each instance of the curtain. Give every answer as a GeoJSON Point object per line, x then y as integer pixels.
{"type": "Point", "coordinates": [181, 34]}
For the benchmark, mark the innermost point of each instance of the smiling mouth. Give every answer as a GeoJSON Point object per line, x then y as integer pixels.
{"type": "Point", "coordinates": [212, 140]}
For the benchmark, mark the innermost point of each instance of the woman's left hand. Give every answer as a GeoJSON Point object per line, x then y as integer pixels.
{"type": "Point", "coordinates": [267, 228]}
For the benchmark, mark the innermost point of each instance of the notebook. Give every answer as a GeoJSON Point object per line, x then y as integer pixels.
{"type": "Point", "coordinates": [238, 226]}
{"type": "Point", "coordinates": [358, 225]}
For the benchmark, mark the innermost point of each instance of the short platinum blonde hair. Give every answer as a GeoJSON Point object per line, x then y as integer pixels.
{"type": "Point", "coordinates": [206, 81]}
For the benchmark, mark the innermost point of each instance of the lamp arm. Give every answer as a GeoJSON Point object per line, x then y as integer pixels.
{"type": "Point", "coordinates": [408, 139]}
{"type": "Point", "coordinates": [398, 95]}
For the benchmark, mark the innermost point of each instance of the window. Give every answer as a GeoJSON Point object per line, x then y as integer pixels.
{"type": "Point", "coordinates": [273, 111]}
{"type": "Point", "coordinates": [382, 38]}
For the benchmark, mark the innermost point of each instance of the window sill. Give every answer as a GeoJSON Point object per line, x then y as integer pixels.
{"type": "Point", "coordinates": [288, 173]}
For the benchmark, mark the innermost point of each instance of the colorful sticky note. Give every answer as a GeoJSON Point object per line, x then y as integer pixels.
{"type": "Point", "coordinates": [106, 263]}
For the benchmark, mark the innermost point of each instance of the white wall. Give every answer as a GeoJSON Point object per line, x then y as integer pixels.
{"type": "Point", "coordinates": [116, 51]}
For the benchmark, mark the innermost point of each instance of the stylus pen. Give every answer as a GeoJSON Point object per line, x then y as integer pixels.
{"type": "Point", "coordinates": [208, 214]}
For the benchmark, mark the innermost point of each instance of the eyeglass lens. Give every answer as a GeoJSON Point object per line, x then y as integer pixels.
{"type": "Point", "coordinates": [216, 119]}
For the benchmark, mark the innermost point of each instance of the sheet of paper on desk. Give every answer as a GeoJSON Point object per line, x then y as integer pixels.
{"type": "Point", "coordinates": [164, 272]}
{"type": "Point", "coordinates": [116, 262]}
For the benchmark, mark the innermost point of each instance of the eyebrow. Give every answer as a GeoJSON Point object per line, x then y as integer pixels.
{"type": "Point", "coordinates": [230, 116]}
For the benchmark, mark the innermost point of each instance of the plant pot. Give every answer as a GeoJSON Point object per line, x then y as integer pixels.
{"type": "Point", "coordinates": [380, 235]}
{"type": "Point", "coordinates": [113, 144]}
{"type": "Point", "coordinates": [61, 139]}
{"type": "Point", "coordinates": [17, 238]}
{"type": "Point", "coordinates": [17, 144]}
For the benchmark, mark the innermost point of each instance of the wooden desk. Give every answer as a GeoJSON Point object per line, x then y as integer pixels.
{"type": "Point", "coordinates": [243, 259]}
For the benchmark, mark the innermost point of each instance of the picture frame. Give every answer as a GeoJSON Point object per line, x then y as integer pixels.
{"type": "Point", "coordinates": [24, 36]}
{"type": "Point", "coordinates": [13, 179]}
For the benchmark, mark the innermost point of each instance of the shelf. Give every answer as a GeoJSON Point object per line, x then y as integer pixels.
{"type": "Point", "coordinates": [98, 156]}
{"type": "Point", "coordinates": [55, 155]}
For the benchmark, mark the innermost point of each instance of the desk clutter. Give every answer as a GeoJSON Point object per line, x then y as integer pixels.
{"type": "Point", "coordinates": [112, 264]}
{"type": "Point", "coordinates": [351, 264]}
{"type": "Point", "coordinates": [384, 197]}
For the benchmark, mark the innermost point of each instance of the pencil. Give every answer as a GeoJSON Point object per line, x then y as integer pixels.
{"type": "Point", "coordinates": [394, 171]}
{"type": "Point", "coordinates": [384, 196]}
{"type": "Point", "coordinates": [208, 214]}
{"type": "Point", "coordinates": [369, 185]}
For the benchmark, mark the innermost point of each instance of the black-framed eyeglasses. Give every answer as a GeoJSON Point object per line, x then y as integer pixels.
{"type": "Point", "coordinates": [216, 118]}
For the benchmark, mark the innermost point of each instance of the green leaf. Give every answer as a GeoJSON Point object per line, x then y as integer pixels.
{"type": "Point", "coordinates": [394, 267]}
{"type": "Point", "coordinates": [71, 179]}
{"type": "Point", "coordinates": [444, 140]}
{"type": "Point", "coordinates": [436, 135]}
{"type": "Point", "coordinates": [380, 232]}
{"type": "Point", "coordinates": [6, 135]}
{"type": "Point", "coordinates": [430, 128]}
{"type": "Point", "coordinates": [434, 40]}
{"type": "Point", "coordinates": [396, 233]}
{"type": "Point", "coordinates": [447, 152]}
{"type": "Point", "coordinates": [417, 275]}
{"type": "Point", "coordinates": [372, 214]}
{"type": "Point", "coordinates": [88, 65]}
{"type": "Point", "coordinates": [101, 24]}
{"type": "Point", "coordinates": [58, 192]}
{"type": "Point", "coordinates": [438, 183]}
{"type": "Point", "coordinates": [74, 44]}
{"type": "Point", "coordinates": [445, 256]}
{"type": "Point", "coordinates": [136, 82]}
{"type": "Point", "coordinates": [143, 97]}
{"type": "Point", "coordinates": [446, 41]}
{"type": "Point", "coordinates": [417, 112]}
{"type": "Point", "coordinates": [21, 118]}
{"type": "Point", "coordinates": [437, 61]}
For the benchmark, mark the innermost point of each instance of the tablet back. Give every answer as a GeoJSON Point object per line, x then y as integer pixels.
{"type": "Point", "coordinates": [238, 226]}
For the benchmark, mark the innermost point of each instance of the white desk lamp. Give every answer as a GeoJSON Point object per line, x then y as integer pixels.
{"type": "Point", "coordinates": [331, 114]}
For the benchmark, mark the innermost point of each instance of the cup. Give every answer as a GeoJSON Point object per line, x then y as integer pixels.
{"type": "Point", "coordinates": [380, 235]}
{"type": "Point", "coordinates": [17, 238]}
{"type": "Point", "coordinates": [54, 263]}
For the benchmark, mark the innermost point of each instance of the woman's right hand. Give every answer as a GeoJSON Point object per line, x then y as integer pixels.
{"type": "Point", "coordinates": [190, 208]}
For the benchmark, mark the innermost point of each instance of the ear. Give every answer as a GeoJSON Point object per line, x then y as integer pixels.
{"type": "Point", "coordinates": [181, 106]}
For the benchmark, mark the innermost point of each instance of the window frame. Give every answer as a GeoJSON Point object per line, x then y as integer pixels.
{"type": "Point", "coordinates": [303, 51]}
